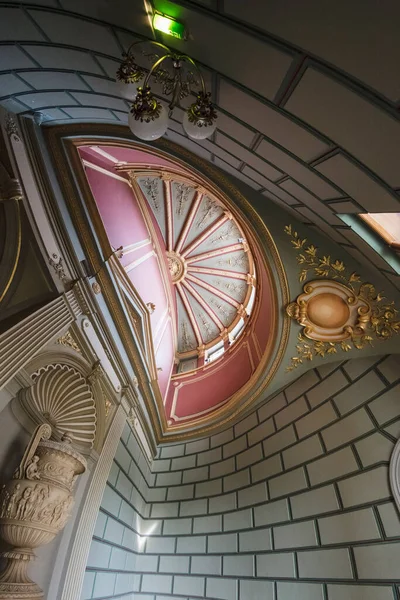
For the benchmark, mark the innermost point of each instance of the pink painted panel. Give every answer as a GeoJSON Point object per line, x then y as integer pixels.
{"type": "Point", "coordinates": [120, 213]}
{"type": "Point", "coordinates": [206, 390]}
{"type": "Point", "coordinates": [136, 156]}
{"type": "Point", "coordinates": [146, 278]}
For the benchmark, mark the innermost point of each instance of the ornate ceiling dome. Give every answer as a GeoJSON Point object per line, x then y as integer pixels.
{"type": "Point", "coordinates": [191, 258]}
{"type": "Point", "coordinates": [209, 261]}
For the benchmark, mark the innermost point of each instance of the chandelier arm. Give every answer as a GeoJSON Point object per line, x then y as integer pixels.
{"type": "Point", "coordinates": [148, 42]}
{"type": "Point", "coordinates": [191, 61]}
{"type": "Point", "coordinates": [154, 67]}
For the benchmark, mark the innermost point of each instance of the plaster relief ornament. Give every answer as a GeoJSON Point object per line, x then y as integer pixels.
{"type": "Point", "coordinates": [34, 507]}
{"type": "Point", "coordinates": [338, 311]}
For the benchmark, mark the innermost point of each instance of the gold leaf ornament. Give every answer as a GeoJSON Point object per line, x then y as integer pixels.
{"type": "Point", "coordinates": [337, 311]}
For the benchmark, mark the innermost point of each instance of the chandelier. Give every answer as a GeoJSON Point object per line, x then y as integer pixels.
{"type": "Point", "coordinates": [177, 74]}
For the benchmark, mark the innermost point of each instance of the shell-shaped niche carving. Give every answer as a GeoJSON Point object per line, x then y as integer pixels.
{"type": "Point", "coordinates": [61, 397]}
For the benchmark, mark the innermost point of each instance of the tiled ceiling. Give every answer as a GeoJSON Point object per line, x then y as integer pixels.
{"type": "Point", "coordinates": [308, 98]}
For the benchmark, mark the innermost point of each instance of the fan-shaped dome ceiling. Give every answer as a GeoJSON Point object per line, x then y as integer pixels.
{"type": "Point", "coordinates": [192, 260]}
{"type": "Point", "coordinates": [209, 259]}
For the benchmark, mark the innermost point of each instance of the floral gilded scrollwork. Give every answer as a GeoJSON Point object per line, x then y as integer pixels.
{"type": "Point", "coordinates": [337, 311]}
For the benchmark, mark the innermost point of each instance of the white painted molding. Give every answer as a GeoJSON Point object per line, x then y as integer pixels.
{"type": "Point", "coordinates": [22, 342]}
{"type": "Point", "coordinates": [394, 473]}
{"type": "Point", "coordinates": [84, 532]}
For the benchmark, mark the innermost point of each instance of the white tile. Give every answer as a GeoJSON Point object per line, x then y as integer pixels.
{"type": "Point", "coordinates": [172, 451]}
{"type": "Point", "coordinates": [378, 561]}
{"type": "Point", "coordinates": [97, 100]}
{"type": "Point", "coordinates": [315, 502]}
{"type": "Point", "coordinates": [38, 100]}
{"type": "Point", "coordinates": [189, 585]}
{"type": "Point", "coordinates": [374, 449]}
{"type": "Point", "coordinates": [104, 584]}
{"type": "Point", "coordinates": [359, 592]}
{"type": "Point", "coordinates": [302, 452]}
{"type": "Point", "coordinates": [347, 429]}
{"type": "Point", "coordinates": [356, 367]}
{"type": "Point", "coordinates": [387, 406]}
{"type": "Point", "coordinates": [86, 35]}
{"type": "Point", "coordinates": [366, 131]}
{"type": "Point", "coordinates": [298, 171]}
{"type": "Point", "coordinates": [193, 507]}
{"type": "Point", "coordinates": [287, 483]}
{"type": "Point", "coordinates": [54, 80]}
{"type": "Point", "coordinates": [177, 526]}
{"type": "Point", "coordinates": [249, 457]}
{"type": "Point", "coordinates": [246, 424]}
{"type": "Point", "coordinates": [15, 25]}
{"type": "Point", "coordinates": [255, 540]}
{"type": "Point", "coordinates": [276, 565]}
{"type": "Point", "coordinates": [355, 526]}
{"type": "Point", "coordinates": [12, 57]}
{"type": "Point", "coordinates": [223, 543]}
{"type": "Point", "coordinates": [317, 419]}
{"type": "Point", "coordinates": [253, 495]}
{"type": "Point", "coordinates": [90, 113]}
{"type": "Point", "coordinates": [266, 468]}
{"type": "Point", "coordinates": [194, 475]}
{"type": "Point", "coordinates": [248, 157]}
{"type": "Point", "coordinates": [87, 587]}
{"type": "Point", "coordinates": [291, 413]}
{"type": "Point", "coordinates": [222, 438]}
{"type": "Point", "coordinates": [359, 392]}
{"type": "Point", "coordinates": [271, 122]}
{"type": "Point", "coordinates": [206, 565]}
{"type": "Point", "coordinates": [299, 591]}
{"type": "Point", "coordinates": [221, 588]}
{"type": "Point", "coordinates": [238, 174]}
{"type": "Point", "coordinates": [272, 512]}
{"type": "Point", "coordinates": [366, 487]}
{"type": "Point", "coordinates": [183, 462]}
{"type": "Point", "coordinates": [198, 446]}
{"type": "Point", "coordinates": [272, 406]}
{"type": "Point", "coordinates": [208, 524]}
{"type": "Point", "coordinates": [236, 480]}
{"type": "Point", "coordinates": [9, 85]}
{"type": "Point", "coordinates": [295, 535]}
{"type": "Point", "coordinates": [239, 566]}
{"type": "Point", "coordinates": [325, 564]}
{"type": "Point", "coordinates": [256, 590]}
{"type": "Point", "coordinates": [241, 519]}
{"type": "Point", "coordinates": [147, 563]}
{"type": "Point", "coordinates": [279, 441]}
{"type": "Point", "coordinates": [194, 544]}
{"type": "Point", "coordinates": [211, 456]}
{"type": "Point", "coordinates": [357, 183]}
{"type": "Point", "coordinates": [390, 368]}
{"type": "Point", "coordinates": [99, 555]}
{"type": "Point", "coordinates": [222, 468]}
{"type": "Point", "coordinates": [260, 432]}
{"type": "Point", "coordinates": [327, 388]}
{"type": "Point", "coordinates": [157, 545]}
{"type": "Point", "coordinates": [234, 129]}
{"type": "Point", "coordinates": [390, 519]}
{"type": "Point", "coordinates": [209, 488]}
{"type": "Point", "coordinates": [156, 583]}
{"type": "Point", "coordinates": [222, 503]}
{"type": "Point", "coordinates": [301, 385]}
{"type": "Point", "coordinates": [332, 466]}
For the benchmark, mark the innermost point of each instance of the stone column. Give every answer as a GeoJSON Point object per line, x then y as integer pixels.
{"type": "Point", "coordinates": [85, 526]}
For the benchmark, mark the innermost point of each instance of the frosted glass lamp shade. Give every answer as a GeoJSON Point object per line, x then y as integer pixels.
{"type": "Point", "coordinates": [195, 131]}
{"type": "Point", "coordinates": [127, 90]}
{"type": "Point", "coordinates": [152, 130]}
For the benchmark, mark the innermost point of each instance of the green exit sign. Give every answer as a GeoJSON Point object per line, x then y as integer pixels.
{"type": "Point", "coordinates": [169, 26]}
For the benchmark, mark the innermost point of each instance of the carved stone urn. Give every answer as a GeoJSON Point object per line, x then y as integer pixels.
{"type": "Point", "coordinates": [34, 507]}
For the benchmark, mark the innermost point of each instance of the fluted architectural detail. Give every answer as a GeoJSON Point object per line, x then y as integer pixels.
{"type": "Point", "coordinates": [22, 342]}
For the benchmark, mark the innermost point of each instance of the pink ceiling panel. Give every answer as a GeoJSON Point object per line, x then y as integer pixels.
{"type": "Point", "coordinates": [206, 390]}
{"type": "Point", "coordinates": [165, 357]}
{"type": "Point", "coordinates": [120, 213]}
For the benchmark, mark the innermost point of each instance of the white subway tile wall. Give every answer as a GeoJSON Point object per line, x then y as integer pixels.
{"type": "Point", "coordinates": [293, 502]}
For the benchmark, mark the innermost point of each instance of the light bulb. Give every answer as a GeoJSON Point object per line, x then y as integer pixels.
{"type": "Point", "coordinates": [127, 90]}
{"type": "Point", "coordinates": [152, 130]}
{"type": "Point", "coordinates": [195, 131]}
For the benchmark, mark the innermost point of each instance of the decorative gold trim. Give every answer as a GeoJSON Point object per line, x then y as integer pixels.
{"type": "Point", "coordinates": [68, 340]}
{"type": "Point", "coordinates": [373, 318]}
{"type": "Point", "coordinates": [18, 252]}
{"type": "Point", "coordinates": [219, 418]}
